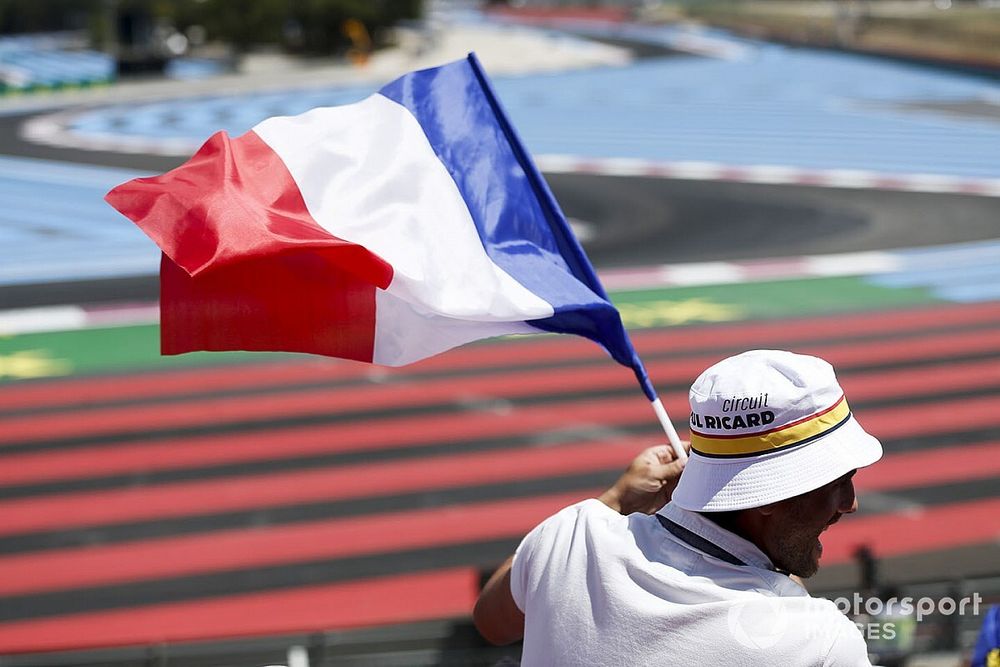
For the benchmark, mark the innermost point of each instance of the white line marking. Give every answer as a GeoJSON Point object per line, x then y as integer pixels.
{"type": "Point", "coordinates": [767, 173]}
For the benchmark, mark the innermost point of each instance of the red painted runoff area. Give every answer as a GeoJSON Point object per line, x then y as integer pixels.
{"type": "Point", "coordinates": [236, 549]}
{"type": "Point", "coordinates": [411, 432]}
{"type": "Point", "coordinates": [323, 485]}
{"type": "Point", "coordinates": [94, 390]}
{"type": "Point", "coordinates": [381, 601]}
{"type": "Point", "coordinates": [90, 566]}
{"type": "Point", "coordinates": [948, 463]}
{"type": "Point", "coordinates": [430, 595]}
{"type": "Point", "coordinates": [324, 401]}
{"type": "Point", "coordinates": [915, 530]}
{"type": "Point", "coordinates": [290, 404]}
{"type": "Point", "coordinates": [141, 456]}
{"type": "Point", "coordinates": [925, 373]}
{"type": "Point", "coordinates": [212, 496]}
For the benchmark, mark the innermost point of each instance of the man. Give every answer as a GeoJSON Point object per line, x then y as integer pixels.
{"type": "Point", "coordinates": [713, 577]}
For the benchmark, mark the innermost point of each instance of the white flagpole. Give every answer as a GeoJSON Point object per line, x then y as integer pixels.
{"type": "Point", "coordinates": [668, 427]}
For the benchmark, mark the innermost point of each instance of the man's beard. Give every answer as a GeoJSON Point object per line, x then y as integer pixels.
{"type": "Point", "coordinates": [796, 548]}
{"type": "Point", "coordinates": [795, 554]}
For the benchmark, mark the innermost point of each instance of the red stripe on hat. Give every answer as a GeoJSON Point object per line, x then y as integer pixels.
{"type": "Point", "coordinates": [773, 430]}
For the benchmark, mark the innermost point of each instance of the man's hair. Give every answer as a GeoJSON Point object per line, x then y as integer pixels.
{"type": "Point", "coordinates": [725, 520]}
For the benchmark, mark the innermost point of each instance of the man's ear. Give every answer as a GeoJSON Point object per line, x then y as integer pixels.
{"type": "Point", "coordinates": [765, 510]}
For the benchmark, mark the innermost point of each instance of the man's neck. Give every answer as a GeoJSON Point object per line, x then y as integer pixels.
{"type": "Point", "coordinates": [735, 522]}
{"type": "Point", "coordinates": [727, 520]}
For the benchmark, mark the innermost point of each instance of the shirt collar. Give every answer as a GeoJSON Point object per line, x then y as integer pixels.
{"type": "Point", "coordinates": [742, 549]}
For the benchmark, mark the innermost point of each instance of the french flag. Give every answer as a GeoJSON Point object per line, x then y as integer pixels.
{"type": "Point", "coordinates": [384, 231]}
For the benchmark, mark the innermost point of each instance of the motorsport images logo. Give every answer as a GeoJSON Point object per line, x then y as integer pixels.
{"type": "Point", "coordinates": [760, 623]}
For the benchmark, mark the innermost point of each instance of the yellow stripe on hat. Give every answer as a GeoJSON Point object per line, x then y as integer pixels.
{"type": "Point", "coordinates": [796, 433]}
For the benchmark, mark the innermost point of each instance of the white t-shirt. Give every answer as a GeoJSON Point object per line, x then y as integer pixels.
{"type": "Point", "coordinates": [599, 588]}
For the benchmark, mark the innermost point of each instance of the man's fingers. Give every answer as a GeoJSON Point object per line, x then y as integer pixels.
{"type": "Point", "coordinates": [666, 453]}
{"type": "Point", "coordinates": [676, 468]}
{"type": "Point", "coordinates": [663, 453]}
{"type": "Point", "coordinates": [668, 471]}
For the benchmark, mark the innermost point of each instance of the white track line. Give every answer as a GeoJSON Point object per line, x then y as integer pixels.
{"type": "Point", "coordinates": [774, 174]}
{"type": "Point", "coordinates": [69, 318]}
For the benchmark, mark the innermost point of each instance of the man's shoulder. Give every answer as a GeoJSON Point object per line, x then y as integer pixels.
{"type": "Point", "coordinates": [590, 531]}
{"type": "Point", "coordinates": [590, 510]}
{"type": "Point", "coordinates": [564, 523]}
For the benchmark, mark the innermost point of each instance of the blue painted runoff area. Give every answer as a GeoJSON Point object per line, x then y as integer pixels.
{"type": "Point", "coordinates": [763, 104]}
{"type": "Point", "coordinates": [963, 272]}
{"type": "Point", "coordinates": [55, 225]}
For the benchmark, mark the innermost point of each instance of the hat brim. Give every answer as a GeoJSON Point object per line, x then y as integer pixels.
{"type": "Point", "coordinates": [711, 484]}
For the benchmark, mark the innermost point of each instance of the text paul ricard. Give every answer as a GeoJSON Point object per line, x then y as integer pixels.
{"type": "Point", "coordinates": [751, 412]}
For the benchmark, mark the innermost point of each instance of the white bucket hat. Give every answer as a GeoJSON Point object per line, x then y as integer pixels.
{"type": "Point", "coordinates": [768, 425]}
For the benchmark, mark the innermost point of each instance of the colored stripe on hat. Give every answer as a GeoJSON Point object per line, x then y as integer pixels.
{"type": "Point", "coordinates": [798, 432]}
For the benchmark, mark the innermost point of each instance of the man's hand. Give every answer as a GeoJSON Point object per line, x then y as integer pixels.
{"type": "Point", "coordinates": [648, 483]}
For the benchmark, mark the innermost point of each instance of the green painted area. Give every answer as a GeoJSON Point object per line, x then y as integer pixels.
{"type": "Point", "coordinates": [98, 350]}
{"type": "Point", "coordinates": [763, 300]}
{"type": "Point", "coordinates": [133, 348]}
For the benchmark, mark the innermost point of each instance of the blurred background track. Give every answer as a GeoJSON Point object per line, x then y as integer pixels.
{"type": "Point", "coordinates": [215, 509]}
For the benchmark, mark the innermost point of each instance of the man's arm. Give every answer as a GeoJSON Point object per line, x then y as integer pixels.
{"type": "Point", "coordinates": [496, 615]}
{"type": "Point", "coordinates": [645, 487]}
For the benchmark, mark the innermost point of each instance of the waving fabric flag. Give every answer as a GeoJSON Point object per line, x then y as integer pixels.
{"type": "Point", "coordinates": [385, 231]}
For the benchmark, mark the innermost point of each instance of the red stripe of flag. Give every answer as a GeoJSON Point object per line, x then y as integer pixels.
{"type": "Point", "coordinates": [245, 265]}
{"type": "Point", "coordinates": [321, 308]}
{"type": "Point", "coordinates": [234, 200]}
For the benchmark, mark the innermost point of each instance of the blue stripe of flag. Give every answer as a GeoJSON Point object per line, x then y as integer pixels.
{"type": "Point", "coordinates": [519, 222]}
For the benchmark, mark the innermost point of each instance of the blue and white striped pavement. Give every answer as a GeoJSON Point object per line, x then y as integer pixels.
{"type": "Point", "coordinates": [768, 105]}
{"type": "Point", "coordinates": [55, 225]}
{"type": "Point", "coordinates": [771, 105]}
{"type": "Point", "coordinates": [963, 273]}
